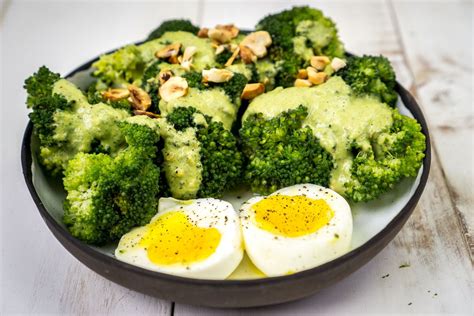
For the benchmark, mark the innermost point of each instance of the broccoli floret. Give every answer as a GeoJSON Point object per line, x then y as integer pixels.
{"type": "Point", "coordinates": [107, 196]}
{"type": "Point", "coordinates": [221, 159]}
{"type": "Point", "coordinates": [372, 75]}
{"type": "Point", "coordinates": [173, 26]}
{"type": "Point", "coordinates": [44, 103]}
{"type": "Point", "coordinates": [233, 88]}
{"type": "Point", "coordinates": [393, 155]}
{"type": "Point", "coordinates": [150, 84]}
{"type": "Point", "coordinates": [66, 123]}
{"type": "Point", "coordinates": [297, 34]}
{"type": "Point", "coordinates": [282, 153]}
{"type": "Point", "coordinates": [223, 57]}
{"type": "Point", "coordinates": [124, 66]}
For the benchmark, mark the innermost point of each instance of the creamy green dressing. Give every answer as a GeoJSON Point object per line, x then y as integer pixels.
{"type": "Point", "coordinates": [203, 59]}
{"type": "Point", "coordinates": [241, 68]}
{"type": "Point", "coordinates": [212, 102]}
{"type": "Point", "coordinates": [182, 160]}
{"type": "Point", "coordinates": [334, 116]}
{"type": "Point", "coordinates": [314, 31]}
{"type": "Point", "coordinates": [266, 73]}
{"type": "Point", "coordinates": [78, 128]}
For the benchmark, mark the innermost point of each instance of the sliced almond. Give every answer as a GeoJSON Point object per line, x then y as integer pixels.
{"type": "Point", "coordinates": [216, 75]}
{"type": "Point", "coordinates": [232, 58]}
{"type": "Point", "coordinates": [247, 55]}
{"type": "Point", "coordinates": [116, 94]}
{"type": "Point", "coordinates": [169, 51]}
{"type": "Point", "coordinates": [302, 74]}
{"type": "Point", "coordinates": [149, 114]}
{"type": "Point", "coordinates": [317, 77]}
{"type": "Point", "coordinates": [203, 33]}
{"type": "Point", "coordinates": [319, 62]}
{"type": "Point", "coordinates": [257, 42]}
{"type": "Point", "coordinates": [337, 63]}
{"type": "Point", "coordinates": [252, 90]}
{"type": "Point", "coordinates": [302, 83]}
{"type": "Point", "coordinates": [174, 88]}
{"type": "Point", "coordinates": [139, 98]}
{"type": "Point", "coordinates": [164, 75]}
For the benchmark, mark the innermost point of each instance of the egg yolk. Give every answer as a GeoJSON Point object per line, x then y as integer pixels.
{"type": "Point", "coordinates": [173, 239]}
{"type": "Point", "coordinates": [292, 216]}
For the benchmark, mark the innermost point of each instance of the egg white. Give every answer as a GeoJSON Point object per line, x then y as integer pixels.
{"type": "Point", "coordinates": [277, 255]}
{"type": "Point", "coordinates": [206, 213]}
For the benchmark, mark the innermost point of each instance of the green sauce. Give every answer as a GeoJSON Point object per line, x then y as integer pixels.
{"type": "Point", "coordinates": [212, 102]}
{"type": "Point", "coordinates": [335, 116]}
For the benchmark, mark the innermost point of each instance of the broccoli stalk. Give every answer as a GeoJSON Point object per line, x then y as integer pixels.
{"type": "Point", "coordinates": [282, 153]}
{"type": "Point", "coordinates": [107, 196]}
{"type": "Point", "coordinates": [297, 34]}
{"type": "Point", "coordinates": [221, 160]}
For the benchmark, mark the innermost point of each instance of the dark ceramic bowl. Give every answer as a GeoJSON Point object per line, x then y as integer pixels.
{"type": "Point", "coordinates": [48, 193]}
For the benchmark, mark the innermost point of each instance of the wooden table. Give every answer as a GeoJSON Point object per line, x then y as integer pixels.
{"type": "Point", "coordinates": [430, 44]}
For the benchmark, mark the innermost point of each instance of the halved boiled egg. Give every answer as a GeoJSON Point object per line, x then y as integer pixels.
{"type": "Point", "coordinates": [195, 238]}
{"type": "Point", "coordinates": [296, 228]}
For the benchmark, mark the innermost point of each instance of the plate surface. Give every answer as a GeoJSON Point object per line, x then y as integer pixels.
{"type": "Point", "coordinates": [375, 225]}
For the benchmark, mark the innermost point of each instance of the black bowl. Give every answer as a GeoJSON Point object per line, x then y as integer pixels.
{"type": "Point", "coordinates": [229, 293]}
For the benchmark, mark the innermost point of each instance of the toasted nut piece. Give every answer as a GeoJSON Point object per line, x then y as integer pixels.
{"type": "Point", "coordinates": [164, 75]}
{"type": "Point", "coordinates": [203, 33]}
{"type": "Point", "coordinates": [220, 35]}
{"type": "Point", "coordinates": [302, 74]}
{"type": "Point", "coordinates": [252, 90]}
{"type": "Point", "coordinates": [116, 94]}
{"type": "Point", "coordinates": [257, 42]}
{"type": "Point", "coordinates": [311, 72]}
{"type": "Point", "coordinates": [139, 98]}
{"type": "Point", "coordinates": [231, 28]}
{"type": "Point", "coordinates": [232, 58]}
{"type": "Point", "coordinates": [233, 47]}
{"type": "Point", "coordinates": [319, 62]}
{"type": "Point", "coordinates": [317, 77]}
{"type": "Point", "coordinates": [187, 58]}
{"type": "Point", "coordinates": [302, 83]}
{"type": "Point", "coordinates": [220, 49]}
{"type": "Point", "coordinates": [174, 88]}
{"type": "Point", "coordinates": [174, 59]}
{"type": "Point", "coordinates": [149, 114]}
{"type": "Point", "coordinates": [216, 75]}
{"type": "Point", "coordinates": [337, 63]}
{"type": "Point", "coordinates": [168, 51]}
{"type": "Point", "coordinates": [247, 55]}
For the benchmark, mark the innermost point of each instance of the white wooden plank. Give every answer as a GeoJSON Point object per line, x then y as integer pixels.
{"type": "Point", "coordinates": [438, 279]}
{"type": "Point", "coordinates": [37, 274]}
{"type": "Point", "coordinates": [439, 49]}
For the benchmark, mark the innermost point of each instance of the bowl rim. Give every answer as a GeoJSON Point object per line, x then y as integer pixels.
{"type": "Point", "coordinates": [408, 100]}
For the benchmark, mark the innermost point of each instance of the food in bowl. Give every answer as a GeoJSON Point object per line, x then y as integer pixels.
{"type": "Point", "coordinates": [192, 113]}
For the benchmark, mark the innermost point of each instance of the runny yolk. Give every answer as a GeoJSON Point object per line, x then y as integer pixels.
{"type": "Point", "coordinates": [173, 239]}
{"type": "Point", "coordinates": [292, 216]}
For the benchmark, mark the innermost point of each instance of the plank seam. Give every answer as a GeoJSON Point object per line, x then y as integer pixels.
{"type": "Point", "coordinates": [466, 236]}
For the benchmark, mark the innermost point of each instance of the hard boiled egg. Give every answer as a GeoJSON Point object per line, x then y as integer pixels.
{"type": "Point", "coordinates": [296, 228]}
{"type": "Point", "coordinates": [195, 238]}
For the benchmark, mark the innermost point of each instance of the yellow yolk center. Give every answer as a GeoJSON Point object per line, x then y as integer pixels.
{"type": "Point", "coordinates": [173, 239]}
{"type": "Point", "coordinates": [292, 216]}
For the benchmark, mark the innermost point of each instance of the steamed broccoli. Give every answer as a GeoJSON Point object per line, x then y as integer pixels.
{"type": "Point", "coordinates": [297, 34]}
{"type": "Point", "coordinates": [372, 75]}
{"type": "Point", "coordinates": [394, 154]}
{"type": "Point", "coordinates": [173, 26]}
{"type": "Point", "coordinates": [282, 153]}
{"type": "Point", "coordinates": [107, 196]}
{"type": "Point", "coordinates": [66, 123]}
{"type": "Point", "coordinates": [219, 156]}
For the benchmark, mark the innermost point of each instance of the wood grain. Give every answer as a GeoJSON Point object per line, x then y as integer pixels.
{"type": "Point", "coordinates": [430, 44]}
